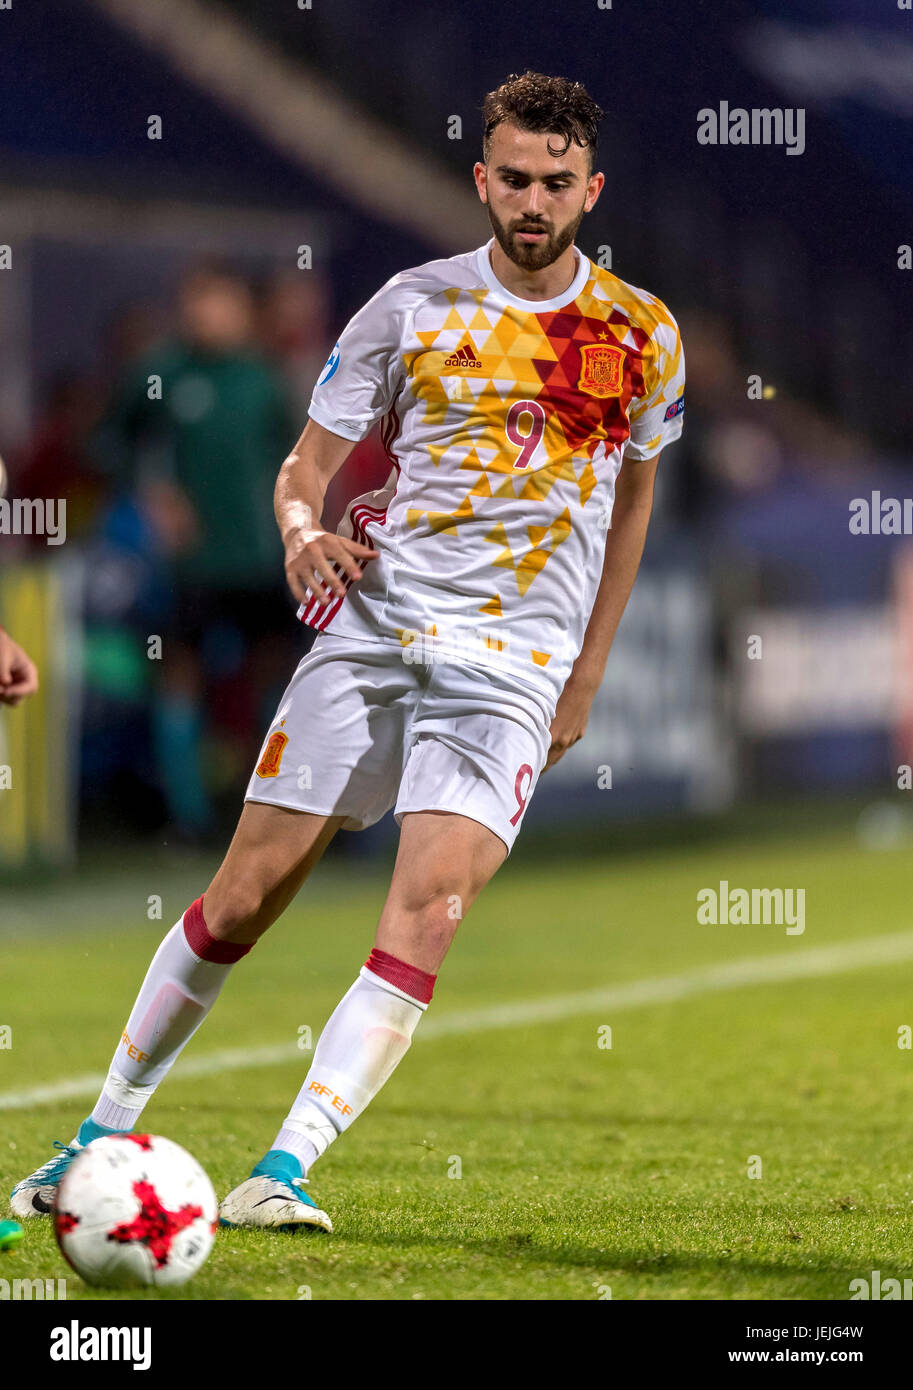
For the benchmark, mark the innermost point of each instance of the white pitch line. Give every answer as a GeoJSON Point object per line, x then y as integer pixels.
{"type": "Point", "coordinates": [808, 964]}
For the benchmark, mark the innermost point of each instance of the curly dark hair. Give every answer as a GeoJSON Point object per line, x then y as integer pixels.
{"type": "Point", "coordinates": [543, 104]}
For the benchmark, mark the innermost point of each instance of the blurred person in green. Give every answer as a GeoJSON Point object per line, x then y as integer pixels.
{"type": "Point", "coordinates": [194, 431]}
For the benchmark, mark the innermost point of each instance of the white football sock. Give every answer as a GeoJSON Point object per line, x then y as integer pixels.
{"type": "Point", "coordinates": [183, 982]}
{"type": "Point", "coordinates": [367, 1035]}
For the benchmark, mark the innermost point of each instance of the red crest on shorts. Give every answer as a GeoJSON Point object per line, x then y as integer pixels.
{"type": "Point", "coordinates": [268, 765]}
{"type": "Point", "coordinates": [600, 369]}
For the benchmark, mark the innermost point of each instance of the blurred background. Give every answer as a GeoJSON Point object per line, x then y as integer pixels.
{"type": "Point", "coordinates": [201, 192]}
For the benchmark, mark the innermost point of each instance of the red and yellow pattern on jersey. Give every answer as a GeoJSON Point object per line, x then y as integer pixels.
{"type": "Point", "coordinates": [506, 422]}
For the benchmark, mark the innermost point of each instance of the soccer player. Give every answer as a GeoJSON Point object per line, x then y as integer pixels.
{"type": "Point", "coordinates": [464, 615]}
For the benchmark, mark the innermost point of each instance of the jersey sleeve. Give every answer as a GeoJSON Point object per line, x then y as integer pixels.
{"type": "Point", "coordinates": [364, 373]}
{"type": "Point", "coordinates": [656, 418]}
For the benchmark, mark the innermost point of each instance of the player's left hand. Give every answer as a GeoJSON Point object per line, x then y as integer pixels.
{"type": "Point", "coordinates": [569, 723]}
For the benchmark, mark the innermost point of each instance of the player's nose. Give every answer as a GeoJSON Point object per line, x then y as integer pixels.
{"type": "Point", "coordinates": [535, 201]}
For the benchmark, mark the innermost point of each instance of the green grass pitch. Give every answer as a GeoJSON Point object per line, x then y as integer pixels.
{"type": "Point", "coordinates": [581, 1168]}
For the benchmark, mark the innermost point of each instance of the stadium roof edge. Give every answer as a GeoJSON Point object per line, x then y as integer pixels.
{"type": "Point", "coordinates": [305, 118]}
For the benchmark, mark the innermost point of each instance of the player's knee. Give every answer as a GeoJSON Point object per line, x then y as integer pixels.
{"type": "Point", "coordinates": [234, 915]}
{"type": "Point", "coordinates": [438, 917]}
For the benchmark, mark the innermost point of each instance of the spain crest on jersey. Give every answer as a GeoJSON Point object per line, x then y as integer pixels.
{"type": "Point", "coordinates": [600, 369]}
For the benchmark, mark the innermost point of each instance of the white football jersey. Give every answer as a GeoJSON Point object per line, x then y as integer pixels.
{"type": "Point", "coordinates": [505, 421]}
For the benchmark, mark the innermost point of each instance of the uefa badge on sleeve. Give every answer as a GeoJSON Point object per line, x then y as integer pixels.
{"type": "Point", "coordinates": [330, 366]}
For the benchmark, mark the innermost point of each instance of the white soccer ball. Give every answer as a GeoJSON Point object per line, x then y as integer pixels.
{"type": "Point", "coordinates": [133, 1210]}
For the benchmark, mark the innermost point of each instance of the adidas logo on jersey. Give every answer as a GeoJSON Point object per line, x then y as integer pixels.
{"type": "Point", "coordinates": [463, 357]}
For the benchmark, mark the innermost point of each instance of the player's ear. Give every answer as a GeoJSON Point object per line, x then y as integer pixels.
{"type": "Point", "coordinates": [480, 174]}
{"type": "Point", "coordinates": [593, 189]}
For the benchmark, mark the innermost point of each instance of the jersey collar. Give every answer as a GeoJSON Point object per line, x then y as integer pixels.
{"type": "Point", "coordinates": [533, 306]}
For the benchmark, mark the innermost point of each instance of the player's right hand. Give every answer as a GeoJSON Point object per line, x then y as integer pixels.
{"type": "Point", "coordinates": [18, 674]}
{"type": "Point", "coordinates": [316, 560]}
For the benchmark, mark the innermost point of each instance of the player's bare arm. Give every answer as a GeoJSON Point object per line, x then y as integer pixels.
{"type": "Point", "coordinates": [18, 673]}
{"type": "Point", "coordinates": [624, 548]}
{"type": "Point", "coordinates": [311, 552]}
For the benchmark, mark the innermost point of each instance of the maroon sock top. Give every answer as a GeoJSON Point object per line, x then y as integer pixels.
{"type": "Point", "coordinates": [417, 983]}
{"type": "Point", "coordinates": [206, 946]}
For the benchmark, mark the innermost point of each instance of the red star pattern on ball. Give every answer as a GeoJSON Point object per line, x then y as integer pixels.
{"type": "Point", "coordinates": [155, 1226]}
{"type": "Point", "coordinates": [143, 1140]}
{"type": "Point", "coordinates": [65, 1222]}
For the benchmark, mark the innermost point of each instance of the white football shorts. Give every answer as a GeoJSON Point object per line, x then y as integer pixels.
{"type": "Point", "coordinates": [359, 729]}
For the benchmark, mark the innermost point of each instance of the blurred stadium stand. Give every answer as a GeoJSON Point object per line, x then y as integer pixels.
{"type": "Point", "coordinates": [328, 128]}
